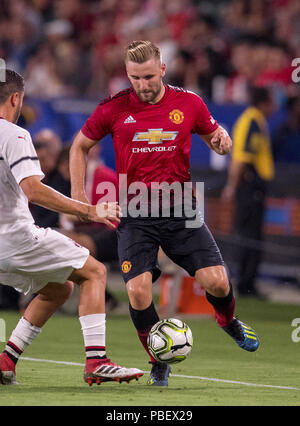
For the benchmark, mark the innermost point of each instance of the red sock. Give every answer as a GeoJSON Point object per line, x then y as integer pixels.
{"type": "Point", "coordinates": [224, 314]}
{"type": "Point", "coordinates": [223, 306]}
{"type": "Point", "coordinates": [93, 363]}
{"type": "Point", "coordinates": [6, 362]}
{"type": "Point", "coordinates": [143, 335]}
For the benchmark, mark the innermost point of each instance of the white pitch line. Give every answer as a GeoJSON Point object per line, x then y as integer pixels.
{"type": "Point", "coordinates": [209, 379]}
{"type": "Point", "coordinates": [51, 361]}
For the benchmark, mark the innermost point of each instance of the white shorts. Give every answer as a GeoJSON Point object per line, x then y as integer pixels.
{"type": "Point", "coordinates": [50, 257]}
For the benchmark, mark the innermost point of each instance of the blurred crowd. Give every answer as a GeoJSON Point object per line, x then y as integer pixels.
{"type": "Point", "coordinates": [215, 48]}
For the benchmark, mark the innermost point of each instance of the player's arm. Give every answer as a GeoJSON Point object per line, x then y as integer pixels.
{"type": "Point", "coordinates": [214, 135]}
{"type": "Point", "coordinates": [45, 196]}
{"type": "Point", "coordinates": [78, 158]}
{"type": "Point", "coordinates": [219, 141]}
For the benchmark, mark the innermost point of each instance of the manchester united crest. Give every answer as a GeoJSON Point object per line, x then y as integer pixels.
{"type": "Point", "coordinates": [176, 116]}
{"type": "Point", "coordinates": [126, 266]}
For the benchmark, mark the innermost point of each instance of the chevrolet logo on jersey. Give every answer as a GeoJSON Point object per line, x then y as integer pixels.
{"type": "Point", "coordinates": [155, 136]}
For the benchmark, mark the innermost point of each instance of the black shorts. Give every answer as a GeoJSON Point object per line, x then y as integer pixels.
{"type": "Point", "coordinates": [140, 239]}
{"type": "Point", "coordinates": [105, 240]}
{"type": "Point", "coordinates": [107, 245]}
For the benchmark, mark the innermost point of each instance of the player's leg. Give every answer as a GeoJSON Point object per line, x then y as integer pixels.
{"type": "Point", "coordinates": [106, 244]}
{"type": "Point", "coordinates": [144, 316]}
{"type": "Point", "coordinates": [48, 300]}
{"type": "Point", "coordinates": [138, 244]}
{"type": "Point", "coordinates": [196, 251]}
{"type": "Point", "coordinates": [102, 245]}
{"type": "Point", "coordinates": [92, 282]}
{"type": "Point", "coordinates": [87, 272]}
{"type": "Point", "coordinates": [40, 309]}
{"type": "Point", "coordinates": [141, 307]}
{"type": "Point", "coordinates": [91, 278]}
{"type": "Point", "coordinates": [219, 292]}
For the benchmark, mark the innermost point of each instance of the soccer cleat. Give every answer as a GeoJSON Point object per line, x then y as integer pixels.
{"type": "Point", "coordinates": [107, 371]}
{"type": "Point", "coordinates": [7, 370]}
{"type": "Point", "coordinates": [159, 374]}
{"type": "Point", "coordinates": [244, 335]}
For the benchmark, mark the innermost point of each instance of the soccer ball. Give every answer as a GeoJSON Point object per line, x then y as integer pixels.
{"type": "Point", "coordinates": [170, 340]}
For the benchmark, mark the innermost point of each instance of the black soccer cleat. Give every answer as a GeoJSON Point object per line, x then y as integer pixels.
{"type": "Point", "coordinates": [244, 335]}
{"type": "Point", "coordinates": [159, 374]}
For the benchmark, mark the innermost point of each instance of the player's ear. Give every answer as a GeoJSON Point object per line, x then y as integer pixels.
{"type": "Point", "coordinates": [163, 70]}
{"type": "Point", "coordinates": [14, 99]}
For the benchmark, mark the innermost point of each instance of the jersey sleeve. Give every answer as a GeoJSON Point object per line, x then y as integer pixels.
{"type": "Point", "coordinates": [204, 121]}
{"type": "Point", "coordinates": [21, 156]}
{"type": "Point", "coordinates": [97, 125]}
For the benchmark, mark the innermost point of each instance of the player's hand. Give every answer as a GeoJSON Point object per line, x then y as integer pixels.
{"type": "Point", "coordinates": [106, 213]}
{"type": "Point", "coordinates": [221, 141]}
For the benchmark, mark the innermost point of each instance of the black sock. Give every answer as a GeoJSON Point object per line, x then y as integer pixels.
{"type": "Point", "coordinates": [143, 322]}
{"type": "Point", "coordinates": [14, 359]}
{"type": "Point", "coordinates": [224, 307]}
{"type": "Point", "coordinates": [144, 319]}
{"type": "Point", "coordinates": [220, 301]}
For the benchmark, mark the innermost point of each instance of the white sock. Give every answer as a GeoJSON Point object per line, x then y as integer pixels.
{"type": "Point", "coordinates": [21, 337]}
{"type": "Point", "coordinates": [93, 330]}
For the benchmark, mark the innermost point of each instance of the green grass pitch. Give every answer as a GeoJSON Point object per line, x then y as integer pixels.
{"type": "Point", "coordinates": [243, 378]}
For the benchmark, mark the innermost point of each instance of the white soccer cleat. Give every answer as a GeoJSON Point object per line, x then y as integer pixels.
{"type": "Point", "coordinates": [99, 372]}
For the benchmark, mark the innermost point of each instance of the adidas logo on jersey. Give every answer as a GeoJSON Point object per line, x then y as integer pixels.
{"type": "Point", "coordinates": [129, 119]}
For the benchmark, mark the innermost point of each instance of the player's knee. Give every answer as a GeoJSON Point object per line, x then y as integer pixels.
{"type": "Point", "coordinates": [57, 293]}
{"type": "Point", "coordinates": [66, 291]}
{"type": "Point", "coordinates": [136, 293]}
{"type": "Point", "coordinates": [139, 295]}
{"type": "Point", "coordinates": [218, 287]}
{"type": "Point", "coordinates": [214, 280]}
{"type": "Point", "coordinates": [99, 273]}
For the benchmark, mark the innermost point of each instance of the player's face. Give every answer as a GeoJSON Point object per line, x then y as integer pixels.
{"type": "Point", "coordinates": [146, 79]}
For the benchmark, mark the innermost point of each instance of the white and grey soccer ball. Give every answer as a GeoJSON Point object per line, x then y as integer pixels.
{"type": "Point", "coordinates": [170, 340]}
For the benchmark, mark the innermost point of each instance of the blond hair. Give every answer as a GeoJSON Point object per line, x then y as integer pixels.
{"type": "Point", "coordinates": [140, 51]}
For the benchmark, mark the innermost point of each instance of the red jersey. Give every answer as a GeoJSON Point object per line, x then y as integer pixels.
{"type": "Point", "coordinates": [104, 174]}
{"type": "Point", "coordinates": [101, 173]}
{"type": "Point", "coordinates": [152, 142]}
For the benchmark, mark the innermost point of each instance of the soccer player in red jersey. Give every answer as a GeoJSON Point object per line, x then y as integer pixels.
{"type": "Point", "coordinates": [151, 126]}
